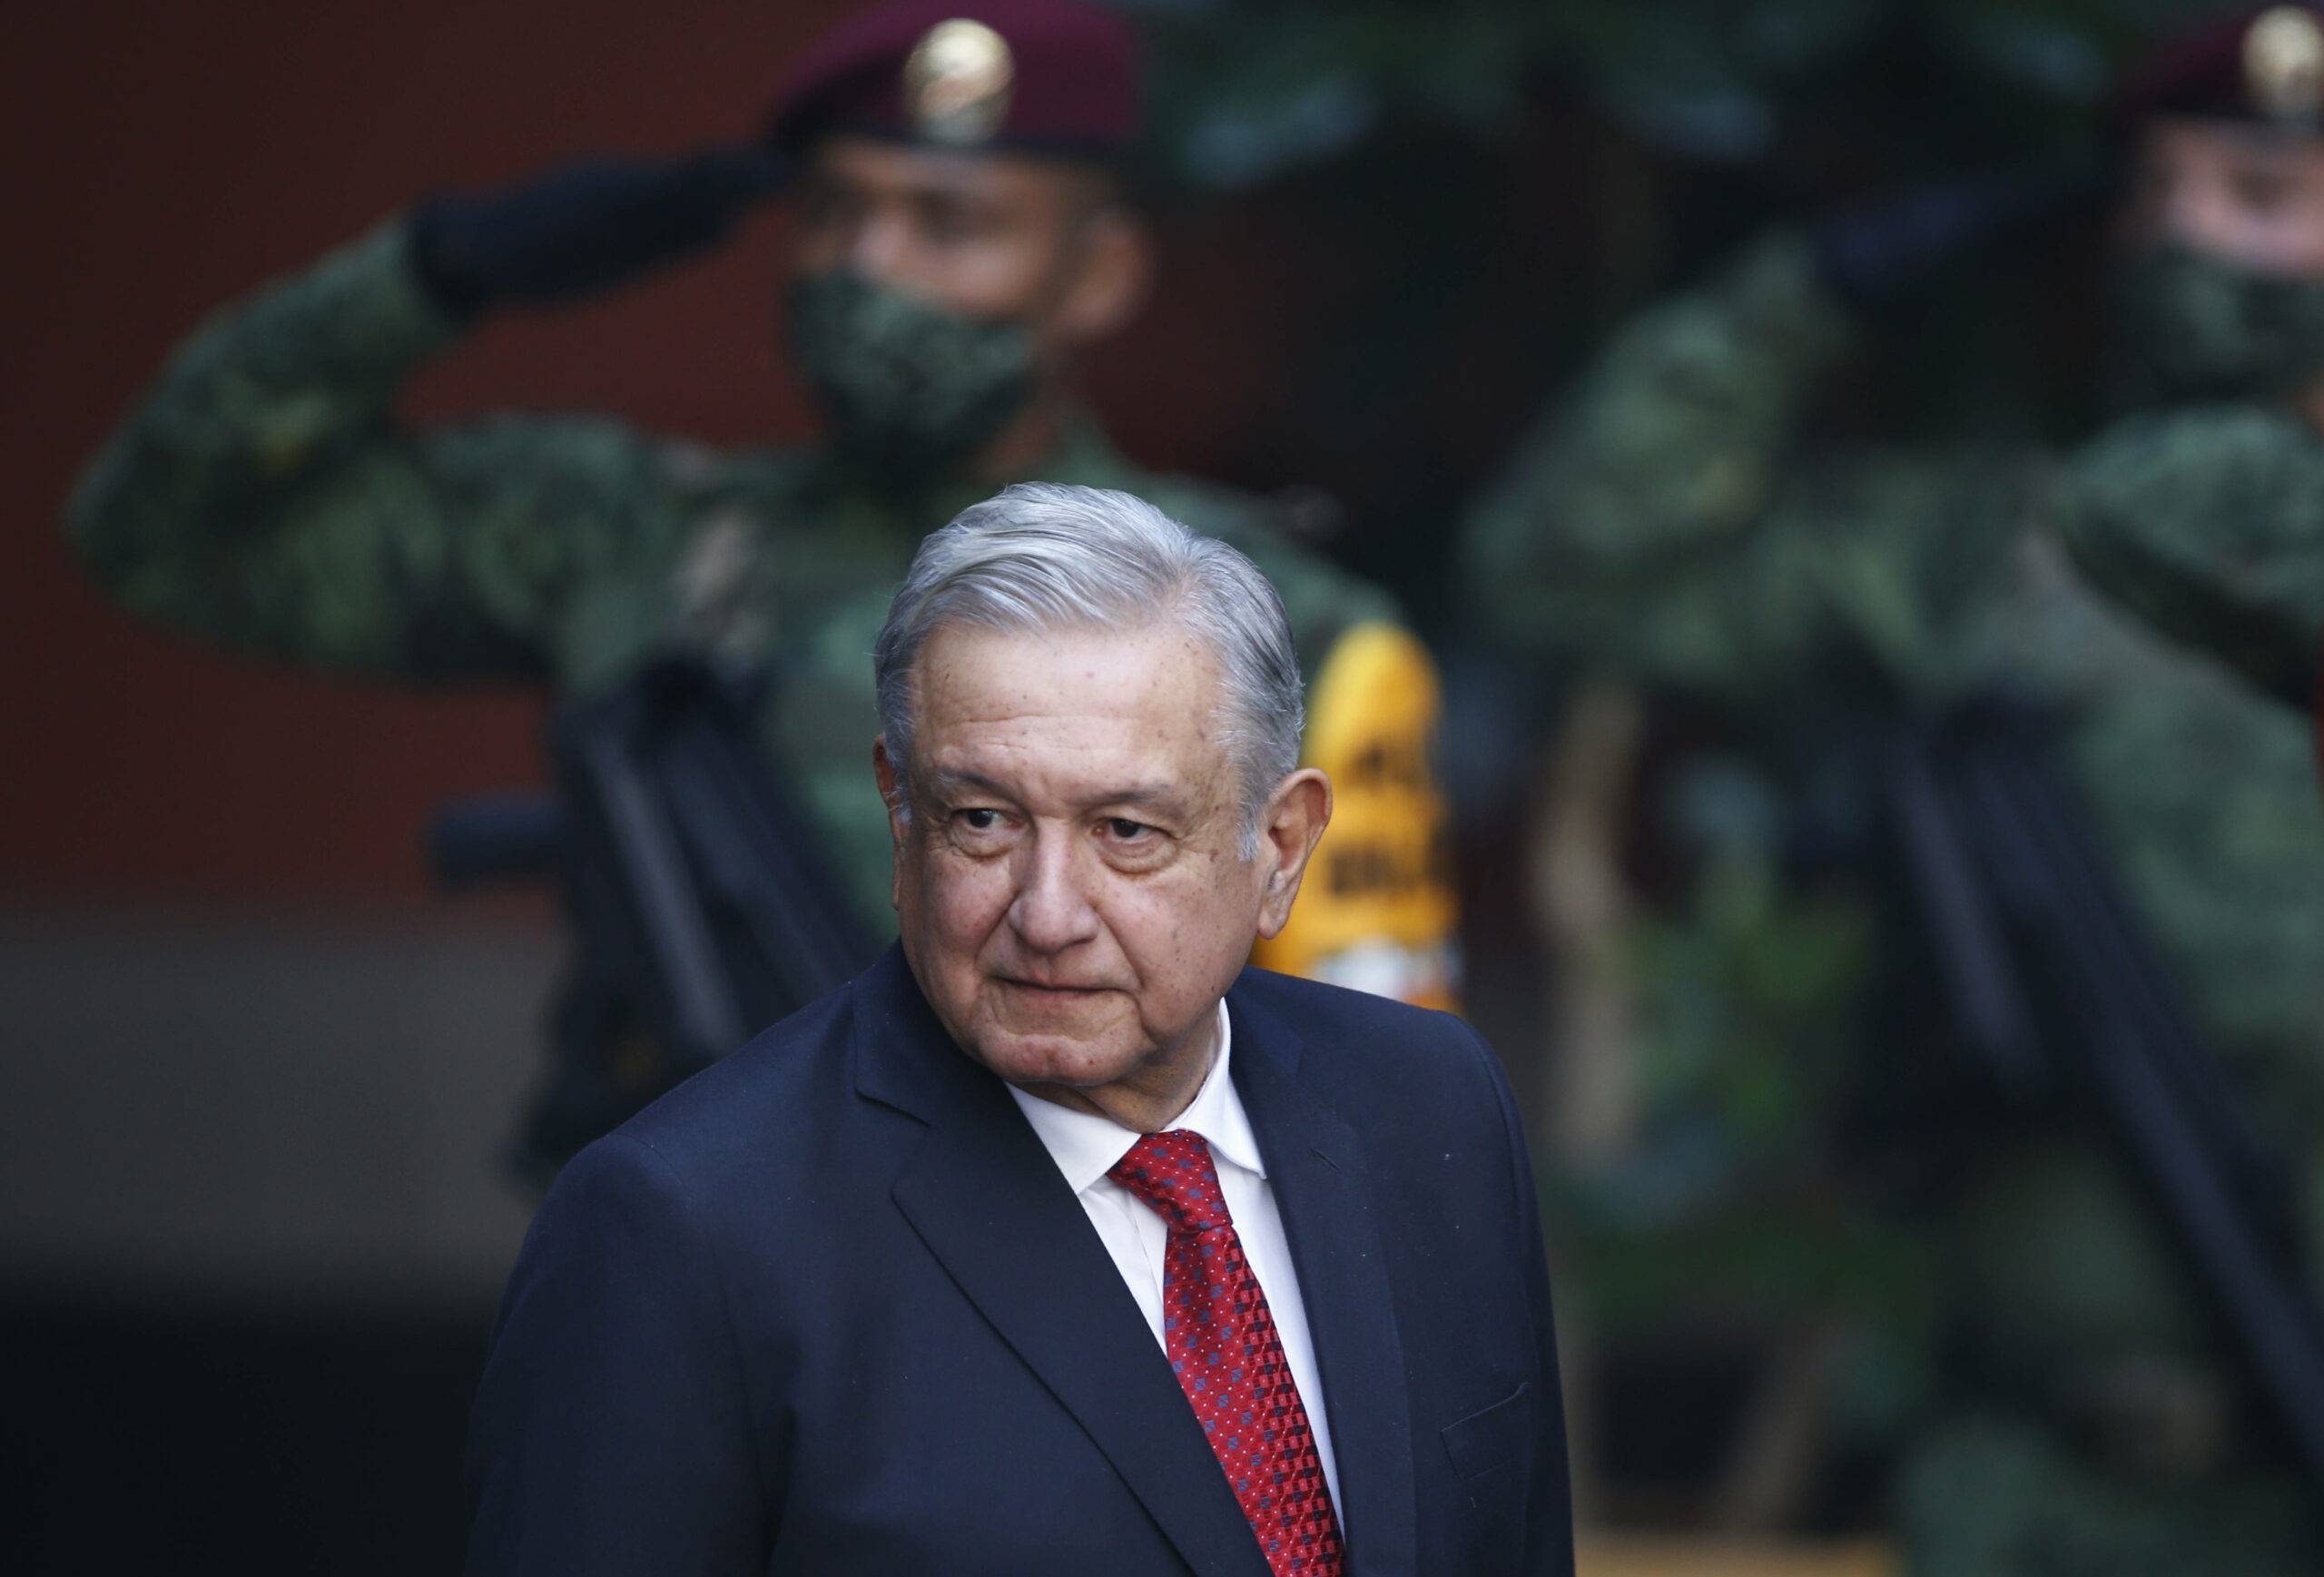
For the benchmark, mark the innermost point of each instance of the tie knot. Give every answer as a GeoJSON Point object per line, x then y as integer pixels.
{"type": "Point", "coordinates": [1173, 1173]}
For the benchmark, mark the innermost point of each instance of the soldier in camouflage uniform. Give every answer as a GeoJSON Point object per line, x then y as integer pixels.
{"type": "Point", "coordinates": [2207, 518]}
{"type": "Point", "coordinates": [961, 236]}
{"type": "Point", "coordinates": [1672, 530]}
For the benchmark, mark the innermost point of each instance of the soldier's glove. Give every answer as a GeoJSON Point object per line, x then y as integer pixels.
{"type": "Point", "coordinates": [1877, 256]}
{"type": "Point", "coordinates": [583, 226]}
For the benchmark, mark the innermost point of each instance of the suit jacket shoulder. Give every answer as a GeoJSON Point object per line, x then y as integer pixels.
{"type": "Point", "coordinates": [1388, 1067]}
{"type": "Point", "coordinates": [830, 1307]}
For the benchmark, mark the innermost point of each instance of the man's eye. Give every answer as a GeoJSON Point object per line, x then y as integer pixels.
{"type": "Point", "coordinates": [2261, 190]}
{"type": "Point", "coordinates": [952, 224]}
{"type": "Point", "coordinates": [825, 205]}
{"type": "Point", "coordinates": [1124, 830]}
{"type": "Point", "coordinates": [977, 819]}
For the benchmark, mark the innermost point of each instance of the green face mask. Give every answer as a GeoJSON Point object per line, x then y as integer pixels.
{"type": "Point", "coordinates": [2191, 327]}
{"type": "Point", "coordinates": [909, 387]}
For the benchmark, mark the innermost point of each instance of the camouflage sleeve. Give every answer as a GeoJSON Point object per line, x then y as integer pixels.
{"type": "Point", "coordinates": [1634, 497]}
{"type": "Point", "coordinates": [2209, 524]}
{"type": "Point", "coordinates": [264, 497]}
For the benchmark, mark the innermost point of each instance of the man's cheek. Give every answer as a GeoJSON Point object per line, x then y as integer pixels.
{"type": "Point", "coordinates": [1000, 278]}
{"type": "Point", "coordinates": [968, 897]}
{"type": "Point", "coordinates": [1163, 930]}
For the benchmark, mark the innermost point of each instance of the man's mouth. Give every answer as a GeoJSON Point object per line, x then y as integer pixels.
{"type": "Point", "coordinates": [1044, 988]}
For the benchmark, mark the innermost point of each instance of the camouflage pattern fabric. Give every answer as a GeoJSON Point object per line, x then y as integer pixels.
{"type": "Point", "coordinates": [1661, 521]}
{"type": "Point", "coordinates": [264, 498]}
{"type": "Point", "coordinates": [868, 350]}
{"type": "Point", "coordinates": [2193, 328]}
{"type": "Point", "coordinates": [2209, 524]}
{"type": "Point", "coordinates": [1671, 526]}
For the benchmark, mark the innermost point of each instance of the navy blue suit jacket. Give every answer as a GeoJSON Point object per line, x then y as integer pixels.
{"type": "Point", "coordinates": [831, 1307]}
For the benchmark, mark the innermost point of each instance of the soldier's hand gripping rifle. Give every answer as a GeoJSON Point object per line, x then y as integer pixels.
{"type": "Point", "coordinates": [2055, 983]}
{"type": "Point", "coordinates": [706, 908]}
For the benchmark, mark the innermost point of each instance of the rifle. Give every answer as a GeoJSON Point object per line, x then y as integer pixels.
{"type": "Point", "coordinates": [2057, 986]}
{"type": "Point", "coordinates": [706, 908]}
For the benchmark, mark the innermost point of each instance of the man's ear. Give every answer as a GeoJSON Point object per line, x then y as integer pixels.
{"type": "Point", "coordinates": [891, 787]}
{"type": "Point", "coordinates": [892, 794]}
{"type": "Point", "coordinates": [1289, 828]}
{"type": "Point", "coordinates": [1117, 259]}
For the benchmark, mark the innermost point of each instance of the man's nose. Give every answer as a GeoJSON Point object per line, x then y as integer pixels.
{"type": "Point", "coordinates": [1051, 911]}
{"type": "Point", "coordinates": [2196, 215]}
{"type": "Point", "coordinates": [882, 245]}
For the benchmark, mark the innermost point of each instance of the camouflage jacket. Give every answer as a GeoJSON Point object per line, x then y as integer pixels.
{"type": "Point", "coordinates": [1671, 526]}
{"type": "Point", "coordinates": [1669, 523]}
{"type": "Point", "coordinates": [2209, 523]}
{"type": "Point", "coordinates": [264, 497]}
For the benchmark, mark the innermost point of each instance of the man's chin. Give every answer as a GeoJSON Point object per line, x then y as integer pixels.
{"type": "Point", "coordinates": [1072, 1061]}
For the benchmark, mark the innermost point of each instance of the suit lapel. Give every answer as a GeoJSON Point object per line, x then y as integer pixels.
{"type": "Point", "coordinates": [1315, 1166]}
{"type": "Point", "coordinates": [987, 1199]}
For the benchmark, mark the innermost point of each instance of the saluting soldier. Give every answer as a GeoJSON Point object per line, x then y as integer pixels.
{"type": "Point", "coordinates": [964, 234]}
{"type": "Point", "coordinates": [2206, 518]}
{"type": "Point", "coordinates": [1678, 533]}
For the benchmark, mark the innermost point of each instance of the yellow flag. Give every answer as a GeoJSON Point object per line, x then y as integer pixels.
{"type": "Point", "coordinates": [1377, 911]}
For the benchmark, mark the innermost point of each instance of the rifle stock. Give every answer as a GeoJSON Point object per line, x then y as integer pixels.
{"type": "Point", "coordinates": [704, 908]}
{"type": "Point", "coordinates": [691, 867]}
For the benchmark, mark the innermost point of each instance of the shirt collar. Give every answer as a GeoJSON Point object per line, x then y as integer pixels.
{"type": "Point", "coordinates": [1086, 1146]}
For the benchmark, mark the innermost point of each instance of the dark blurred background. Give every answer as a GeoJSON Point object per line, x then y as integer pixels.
{"type": "Point", "coordinates": [253, 1217]}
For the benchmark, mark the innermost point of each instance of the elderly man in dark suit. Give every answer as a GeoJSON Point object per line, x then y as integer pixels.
{"type": "Point", "coordinates": [1058, 1241]}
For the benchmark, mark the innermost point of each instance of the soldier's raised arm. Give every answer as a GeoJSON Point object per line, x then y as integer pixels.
{"type": "Point", "coordinates": [2209, 523]}
{"type": "Point", "coordinates": [264, 497]}
{"type": "Point", "coordinates": [1655, 469]}
{"type": "Point", "coordinates": [1659, 517]}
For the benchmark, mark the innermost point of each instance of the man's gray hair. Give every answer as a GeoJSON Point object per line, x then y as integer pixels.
{"type": "Point", "coordinates": [1040, 557]}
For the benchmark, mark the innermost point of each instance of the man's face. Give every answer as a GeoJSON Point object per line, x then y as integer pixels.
{"type": "Point", "coordinates": [2246, 195]}
{"type": "Point", "coordinates": [986, 235]}
{"type": "Point", "coordinates": [1069, 885]}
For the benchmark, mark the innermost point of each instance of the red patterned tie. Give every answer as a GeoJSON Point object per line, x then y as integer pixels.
{"type": "Point", "coordinates": [1230, 1362]}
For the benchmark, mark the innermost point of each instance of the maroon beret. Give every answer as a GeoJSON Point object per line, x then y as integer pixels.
{"type": "Point", "coordinates": [2263, 63]}
{"type": "Point", "coordinates": [1047, 76]}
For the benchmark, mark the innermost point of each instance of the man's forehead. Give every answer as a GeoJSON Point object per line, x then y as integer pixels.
{"type": "Point", "coordinates": [2232, 139]}
{"type": "Point", "coordinates": [1155, 662]}
{"type": "Point", "coordinates": [1149, 690]}
{"type": "Point", "coordinates": [902, 169]}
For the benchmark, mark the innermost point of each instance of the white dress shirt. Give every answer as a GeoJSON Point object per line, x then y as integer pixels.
{"type": "Point", "coordinates": [1086, 1147]}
